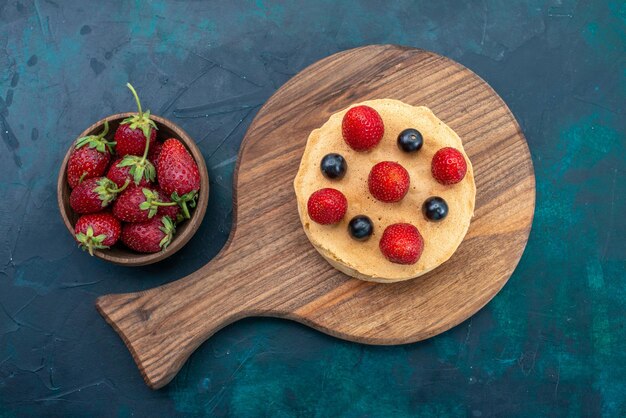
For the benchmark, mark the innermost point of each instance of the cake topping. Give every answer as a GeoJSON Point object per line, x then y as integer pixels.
{"type": "Point", "coordinates": [388, 181]}
{"type": "Point", "coordinates": [402, 243]}
{"type": "Point", "coordinates": [448, 166]}
{"type": "Point", "coordinates": [361, 227]}
{"type": "Point", "coordinates": [410, 140]}
{"type": "Point", "coordinates": [435, 208]}
{"type": "Point", "coordinates": [333, 166]}
{"type": "Point", "coordinates": [327, 206]}
{"type": "Point", "coordinates": [362, 128]}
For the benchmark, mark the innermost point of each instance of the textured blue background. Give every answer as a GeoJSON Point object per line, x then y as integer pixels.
{"type": "Point", "coordinates": [551, 343]}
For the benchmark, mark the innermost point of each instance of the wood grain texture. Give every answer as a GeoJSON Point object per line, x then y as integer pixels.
{"type": "Point", "coordinates": [119, 254]}
{"type": "Point", "coordinates": [268, 267]}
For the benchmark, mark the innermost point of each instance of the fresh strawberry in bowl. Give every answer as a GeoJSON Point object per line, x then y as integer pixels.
{"type": "Point", "coordinates": [102, 181]}
{"type": "Point", "coordinates": [90, 157]}
{"type": "Point", "coordinates": [152, 236]}
{"type": "Point", "coordinates": [178, 175]}
{"type": "Point", "coordinates": [97, 231]}
{"type": "Point", "coordinates": [94, 194]}
{"type": "Point", "coordinates": [132, 132]}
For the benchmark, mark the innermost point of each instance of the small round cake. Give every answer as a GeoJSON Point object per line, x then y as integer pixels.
{"type": "Point", "coordinates": [385, 191]}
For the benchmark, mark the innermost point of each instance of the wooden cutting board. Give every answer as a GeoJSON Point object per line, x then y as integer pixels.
{"type": "Point", "coordinates": [269, 268]}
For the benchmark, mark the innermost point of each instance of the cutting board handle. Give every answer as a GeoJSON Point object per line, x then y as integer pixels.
{"type": "Point", "coordinates": [162, 326]}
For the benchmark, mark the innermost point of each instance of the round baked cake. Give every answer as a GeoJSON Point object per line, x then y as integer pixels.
{"type": "Point", "coordinates": [385, 191]}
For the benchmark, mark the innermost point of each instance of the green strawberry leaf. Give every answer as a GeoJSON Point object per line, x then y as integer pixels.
{"type": "Point", "coordinates": [98, 142]}
{"type": "Point", "coordinates": [87, 242]}
{"type": "Point", "coordinates": [169, 229]}
{"type": "Point", "coordinates": [137, 172]}
{"type": "Point", "coordinates": [145, 128]}
{"type": "Point", "coordinates": [128, 120]}
{"type": "Point", "coordinates": [99, 238]}
{"type": "Point", "coordinates": [149, 172]}
{"type": "Point", "coordinates": [107, 191]}
{"type": "Point", "coordinates": [139, 168]}
{"type": "Point", "coordinates": [151, 203]}
{"type": "Point", "coordinates": [141, 121]}
{"type": "Point", "coordinates": [149, 194]}
{"type": "Point", "coordinates": [128, 161]}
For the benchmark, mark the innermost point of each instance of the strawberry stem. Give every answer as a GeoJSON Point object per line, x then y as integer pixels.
{"type": "Point", "coordinates": [97, 141]}
{"type": "Point", "coordinates": [141, 120]}
{"type": "Point", "coordinates": [104, 131]}
{"type": "Point", "coordinates": [132, 89]}
{"type": "Point", "coordinates": [119, 189]}
{"type": "Point", "coordinates": [185, 209]}
{"type": "Point", "coordinates": [147, 147]}
{"type": "Point", "coordinates": [158, 203]}
{"type": "Point", "coordinates": [152, 202]}
{"type": "Point", "coordinates": [182, 201]}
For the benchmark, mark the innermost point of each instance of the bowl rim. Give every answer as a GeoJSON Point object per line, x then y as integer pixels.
{"type": "Point", "coordinates": [179, 241]}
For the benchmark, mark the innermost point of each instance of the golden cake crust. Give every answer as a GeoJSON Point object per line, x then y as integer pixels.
{"type": "Point", "coordinates": [364, 260]}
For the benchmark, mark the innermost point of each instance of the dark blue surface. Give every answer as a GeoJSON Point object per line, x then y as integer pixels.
{"type": "Point", "coordinates": [551, 343]}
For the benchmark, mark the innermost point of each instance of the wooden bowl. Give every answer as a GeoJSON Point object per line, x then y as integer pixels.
{"type": "Point", "coordinates": [119, 254]}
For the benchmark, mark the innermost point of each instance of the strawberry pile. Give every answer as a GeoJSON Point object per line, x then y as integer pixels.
{"type": "Point", "coordinates": [134, 189]}
{"type": "Point", "coordinates": [363, 129]}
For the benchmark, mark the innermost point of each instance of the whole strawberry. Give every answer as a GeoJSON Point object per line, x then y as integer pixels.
{"type": "Point", "coordinates": [388, 181]}
{"type": "Point", "coordinates": [327, 206]}
{"type": "Point", "coordinates": [401, 243]}
{"type": "Point", "coordinates": [149, 237]}
{"type": "Point", "coordinates": [119, 173]}
{"type": "Point", "coordinates": [362, 128]}
{"type": "Point", "coordinates": [133, 140]}
{"type": "Point", "coordinates": [448, 166]}
{"type": "Point", "coordinates": [131, 137]}
{"type": "Point", "coordinates": [94, 194]}
{"type": "Point", "coordinates": [137, 204]}
{"type": "Point", "coordinates": [97, 231]}
{"type": "Point", "coordinates": [132, 133]}
{"type": "Point", "coordinates": [178, 174]}
{"type": "Point", "coordinates": [90, 157]}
